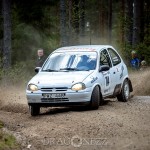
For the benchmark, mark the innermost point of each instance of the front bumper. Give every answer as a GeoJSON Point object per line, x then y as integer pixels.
{"type": "Point", "coordinates": [72, 98]}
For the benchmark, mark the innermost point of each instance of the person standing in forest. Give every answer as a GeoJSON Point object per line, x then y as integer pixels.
{"type": "Point", "coordinates": [135, 62]}
{"type": "Point", "coordinates": [143, 64]}
{"type": "Point", "coordinates": [41, 58]}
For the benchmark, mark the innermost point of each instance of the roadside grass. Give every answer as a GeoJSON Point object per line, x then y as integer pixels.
{"type": "Point", "coordinates": [7, 142]}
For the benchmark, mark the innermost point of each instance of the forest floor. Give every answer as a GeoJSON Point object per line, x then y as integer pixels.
{"type": "Point", "coordinates": [114, 126]}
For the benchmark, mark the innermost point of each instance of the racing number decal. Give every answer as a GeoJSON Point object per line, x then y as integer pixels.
{"type": "Point", "coordinates": [107, 81]}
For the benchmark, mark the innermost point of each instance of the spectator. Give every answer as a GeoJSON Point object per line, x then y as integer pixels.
{"type": "Point", "coordinates": [143, 63]}
{"type": "Point", "coordinates": [41, 58]}
{"type": "Point", "coordinates": [135, 62]}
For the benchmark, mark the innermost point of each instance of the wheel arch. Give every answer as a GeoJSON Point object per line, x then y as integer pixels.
{"type": "Point", "coordinates": [100, 89]}
{"type": "Point", "coordinates": [96, 84]}
{"type": "Point", "coordinates": [130, 83]}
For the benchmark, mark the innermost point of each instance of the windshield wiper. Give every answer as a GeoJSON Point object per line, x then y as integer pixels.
{"type": "Point", "coordinates": [74, 69]}
{"type": "Point", "coordinates": [70, 69]}
{"type": "Point", "coordinates": [50, 70]}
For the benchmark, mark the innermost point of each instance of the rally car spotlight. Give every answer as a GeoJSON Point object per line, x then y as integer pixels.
{"type": "Point", "coordinates": [78, 87]}
{"type": "Point", "coordinates": [32, 87]}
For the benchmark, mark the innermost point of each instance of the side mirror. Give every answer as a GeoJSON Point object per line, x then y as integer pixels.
{"type": "Point", "coordinates": [37, 69]}
{"type": "Point", "coordinates": [104, 68]}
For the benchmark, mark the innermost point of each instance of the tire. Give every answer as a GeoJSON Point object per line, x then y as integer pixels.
{"type": "Point", "coordinates": [101, 100]}
{"type": "Point", "coordinates": [34, 110]}
{"type": "Point", "coordinates": [125, 92]}
{"type": "Point", "coordinates": [95, 98]}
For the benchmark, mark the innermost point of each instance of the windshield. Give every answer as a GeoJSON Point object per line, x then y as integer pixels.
{"type": "Point", "coordinates": [71, 61]}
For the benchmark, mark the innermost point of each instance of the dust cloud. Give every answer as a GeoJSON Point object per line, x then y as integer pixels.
{"type": "Point", "coordinates": [141, 82]}
{"type": "Point", "coordinates": [13, 97]}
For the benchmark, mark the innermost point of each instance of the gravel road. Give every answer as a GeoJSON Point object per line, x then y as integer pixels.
{"type": "Point", "coordinates": [114, 126]}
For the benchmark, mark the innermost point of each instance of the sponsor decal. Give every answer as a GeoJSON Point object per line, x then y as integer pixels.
{"type": "Point", "coordinates": [117, 69]}
{"type": "Point", "coordinates": [107, 80]}
{"type": "Point", "coordinates": [93, 79]}
{"type": "Point", "coordinates": [121, 75]}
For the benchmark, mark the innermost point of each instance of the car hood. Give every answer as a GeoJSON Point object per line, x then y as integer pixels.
{"type": "Point", "coordinates": [55, 79]}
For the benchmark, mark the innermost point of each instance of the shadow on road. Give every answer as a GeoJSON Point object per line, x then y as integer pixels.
{"type": "Point", "coordinates": [57, 110]}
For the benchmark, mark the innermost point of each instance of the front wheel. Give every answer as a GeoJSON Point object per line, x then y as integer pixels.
{"type": "Point", "coordinates": [95, 98]}
{"type": "Point", "coordinates": [125, 92]}
{"type": "Point", "coordinates": [34, 110]}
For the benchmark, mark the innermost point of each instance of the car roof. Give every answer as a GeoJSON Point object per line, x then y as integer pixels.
{"type": "Point", "coordinates": [83, 48]}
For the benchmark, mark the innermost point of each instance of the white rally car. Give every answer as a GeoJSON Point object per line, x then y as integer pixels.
{"type": "Point", "coordinates": [79, 75]}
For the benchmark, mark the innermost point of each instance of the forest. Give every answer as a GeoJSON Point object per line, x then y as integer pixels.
{"type": "Point", "coordinates": [27, 25]}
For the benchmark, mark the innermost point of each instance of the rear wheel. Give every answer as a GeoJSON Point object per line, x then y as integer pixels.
{"type": "Point", "coordinates": [95, 98]}
{"type": "Point", "coordinates": [34, 110]}
{"type": "Point", "coordinates": [125, 92]}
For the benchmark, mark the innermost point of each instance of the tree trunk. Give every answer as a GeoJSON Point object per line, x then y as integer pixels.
{"type": "Point", "coordinates": [6, 34]}
{"type": "Point", "coordinates": [122, 22]}
{"type": "Point", "coordinates": [70, 22]}
{"type": "Point", "coordinates": [136, 22]}
{"type": "Point", "coordinates": [75, 21]}
{"type": "Point", "coordinates": [70, 13]}
{"type": "Point", "coordinates": [102, 17]}
{"type": "Point", "coordinates": [63, 23]}
{"type": "Point", "coordinates": [82, 17]}
{"type": "Point", "coordinates": [109, 20]}
{"type": "Point", "coordinates": [129, 21]}
{"type": "Point", "coordinates": [147, 23]}
{"type": "Point", "coordinates": [142, 16]}
{"type": "Point", "coordinates": [76, 16]}
{"type": "Point", "coordinates": [147, 13]}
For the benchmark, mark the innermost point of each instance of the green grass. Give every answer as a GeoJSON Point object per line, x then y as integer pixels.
{"type": "Point", "coordinates": [7, 141]}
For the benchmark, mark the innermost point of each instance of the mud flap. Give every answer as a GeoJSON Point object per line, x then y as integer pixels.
{"type": "Point", "coordinates": [117, 90]}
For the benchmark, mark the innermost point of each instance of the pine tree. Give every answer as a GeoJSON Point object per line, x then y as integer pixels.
{"type": "Point", "coordinates": [6, 34]}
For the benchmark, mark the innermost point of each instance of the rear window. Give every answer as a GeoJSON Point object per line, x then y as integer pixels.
{"type": "Point", "coordinates": [114, 56]}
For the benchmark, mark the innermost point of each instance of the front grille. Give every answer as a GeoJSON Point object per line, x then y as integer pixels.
{"type": "Point", "coordinates": [61, 89]}
{"type": "Point", "coordinates": [46, 89]}
{"type": "Point", "coordinates": [54, 99]}
{"type": "Point", "coordinates": [56, 89]}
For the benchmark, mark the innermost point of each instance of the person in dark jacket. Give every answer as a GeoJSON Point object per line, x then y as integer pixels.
{"type": "Point", "coordinates": [135, 62]}
{"type": "Point", "coordinates": [41, 58]}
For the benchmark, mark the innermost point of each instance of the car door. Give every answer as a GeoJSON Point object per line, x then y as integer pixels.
{"type": "Point", "coordinates": [106, 75]}
{"type": "Point", "coordinates": [117, 69]}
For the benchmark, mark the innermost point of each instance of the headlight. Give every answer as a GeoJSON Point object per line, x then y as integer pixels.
{"type": "Point", "coordinates": [32, 87]}
{"type": "Point", "coordinates": [78, 87]}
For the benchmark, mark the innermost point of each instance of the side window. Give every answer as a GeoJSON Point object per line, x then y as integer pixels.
{"type": "Point", "coordinates": [104, 58]}
{"type": "Point", "coordinates": [114, 56]}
